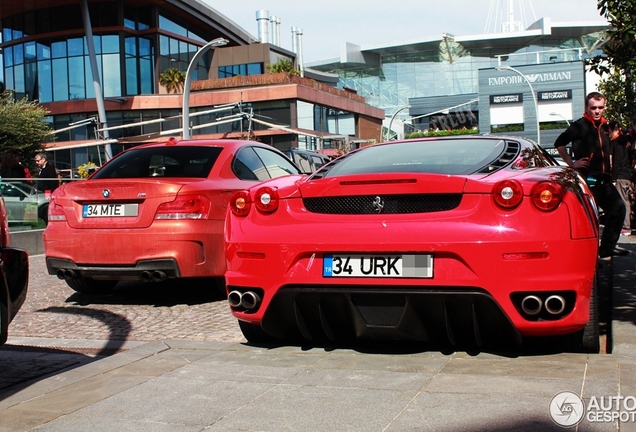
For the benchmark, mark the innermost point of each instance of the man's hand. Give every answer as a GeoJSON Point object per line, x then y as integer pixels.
{"type": "Point", "coordinates": [582, 163]}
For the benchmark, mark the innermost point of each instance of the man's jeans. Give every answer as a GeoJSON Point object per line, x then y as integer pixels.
{"type": "Point", "coordinates": [608, 198]}
{"type": "Point", "coordinates": [625, 189]}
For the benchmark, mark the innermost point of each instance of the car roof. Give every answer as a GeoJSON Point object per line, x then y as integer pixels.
{"type": "Point", "coordinates": [203, 142]}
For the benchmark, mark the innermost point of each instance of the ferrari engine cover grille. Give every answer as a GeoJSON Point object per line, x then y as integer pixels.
{"type": "Point", "coordinates": [383, 204]}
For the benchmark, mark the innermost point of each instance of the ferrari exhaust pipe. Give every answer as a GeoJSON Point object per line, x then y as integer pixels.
{"type": "Point", "coordinates": [555, 304]}
{"type": "Point", "coordinates": [60, 273]}
{"type": "Point", "coordinates": [531, 305]}
{"type": "Point", "coordinates": [146, 276]}
{"type": "Point", "coordinates": [234, 298]}
{"type": "Point", "coordinates": [249, 300]}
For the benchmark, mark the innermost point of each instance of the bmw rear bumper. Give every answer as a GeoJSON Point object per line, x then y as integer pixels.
{"type": "Point", "coordinates": [142, 270]}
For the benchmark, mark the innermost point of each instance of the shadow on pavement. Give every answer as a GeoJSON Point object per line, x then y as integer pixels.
{"type": "Point", "coordinates": [530, 347]}
{"type": "Point", "coordinates": [624, 291]}
{"type": "Point", "coordinates": [22, 365]}
{"type": "Point", "coordinates": [191, 291]}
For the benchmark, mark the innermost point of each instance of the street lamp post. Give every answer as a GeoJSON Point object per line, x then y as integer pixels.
{"type": "Point", "coordinates": [534, 95]}
{"type": "Point", "coordinates": [388, 132]}
{"type": "Point", "coordinates": [185, 116]}
{"type": "Point", "coordinates": [556, 114]}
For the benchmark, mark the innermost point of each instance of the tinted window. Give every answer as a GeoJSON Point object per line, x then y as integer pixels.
{"type": "Point", "coordinates": [276, 165]}
{"type": "Point", "coordinates": [461, 156]}
{"type": "Point", "coordinates": [260, 164]}
{"type": "Point", "coordinates": [302, 160]}
{"type": "Point", "coordinates": [168, 161]}
{"type": "Point", "coordinates": [318, 161]}
{"type": "Point", "coordinates": [9, 190]}
{"type": "Point", "coordinates": [248, 166]}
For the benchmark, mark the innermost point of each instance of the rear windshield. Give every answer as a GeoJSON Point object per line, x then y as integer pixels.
{"type": "Point", "coordinates": [438, 157]}
{"type": "Point", "coordinates": [168, 161]}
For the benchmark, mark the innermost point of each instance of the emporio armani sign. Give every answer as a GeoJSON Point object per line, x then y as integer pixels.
{"type": "Point", "coordinates": [533, 78]}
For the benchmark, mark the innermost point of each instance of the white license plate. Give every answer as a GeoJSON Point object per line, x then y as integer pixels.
{"type": "Point", "coordinates": [393, 266]}
{"type": "Point", "coordinates": [110, 210]}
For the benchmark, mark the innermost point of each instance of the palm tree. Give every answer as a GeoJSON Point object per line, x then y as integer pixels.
{"type": "Point", "coordinates": [172, 79]}
{"type": "Point", "coordinates": [283, 65]}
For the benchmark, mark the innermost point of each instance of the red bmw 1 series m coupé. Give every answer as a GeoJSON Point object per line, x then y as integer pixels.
{"type": "Point", "coordinates": [153, 212]}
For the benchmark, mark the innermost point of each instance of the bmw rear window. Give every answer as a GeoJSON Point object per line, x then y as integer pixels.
{"type": "Point", "coordinates": [168, 161]}
{"type": "Point", "coordinates": [455, 157]}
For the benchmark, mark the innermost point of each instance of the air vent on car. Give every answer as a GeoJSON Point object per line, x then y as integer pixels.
{"type": "Point", "coordinates": [383, 204]}
{"type": "Point", "coordinates": [509, 154]}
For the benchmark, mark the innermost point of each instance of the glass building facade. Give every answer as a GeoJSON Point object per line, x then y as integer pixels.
{"type": "Point", "coordinates": [396, 75]}
{"type": "Point", "coordinates": [45, 57]}
{"type": "Point", "coordinates": [56, 68]}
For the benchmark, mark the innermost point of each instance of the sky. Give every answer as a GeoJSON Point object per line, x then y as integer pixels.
{"type": "Point", "coordinates": [327, 24]}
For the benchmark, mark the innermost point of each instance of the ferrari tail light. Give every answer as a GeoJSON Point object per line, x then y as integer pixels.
{"type": "Point", "coordinates": [185, 207]}
{"type": "Point", "coordinates": [266, 200]}
{"type": "Point", "coordinates": [508, 194]}
{"type": "Point", "coordinates": [56, 212]}
{"type": "Point", "coordinates": [546, 196]}
{"type": "Point", "coordinates": [240, 203]}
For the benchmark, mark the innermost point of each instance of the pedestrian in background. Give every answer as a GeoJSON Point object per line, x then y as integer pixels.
{"type": "Point", "coordinates": [622, 169]}
{"type": "Point", "coordinates": [631, 136]}
{"type": "Point", "coordinates": [10, 167]}
{"type": "Point", "coordinates": [590, 140]}
{"type": "Point", "coordinates": [47, 171]}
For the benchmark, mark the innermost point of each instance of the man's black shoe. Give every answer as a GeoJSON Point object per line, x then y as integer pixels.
{"type": "Point", "coordinates": [619, 251]}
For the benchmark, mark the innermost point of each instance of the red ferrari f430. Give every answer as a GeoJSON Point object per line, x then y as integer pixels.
{"type": "Point", "coordinates": [468, 240]}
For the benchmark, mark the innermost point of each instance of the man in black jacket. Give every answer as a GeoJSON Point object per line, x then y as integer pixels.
{"type": "Point", "coordinates": [590, 140]}
{"type": "Point", "coordinates": [47, 171]}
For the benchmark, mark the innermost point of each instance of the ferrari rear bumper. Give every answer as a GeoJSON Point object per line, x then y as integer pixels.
{"type": "Point", "coordinates": [458, 317]}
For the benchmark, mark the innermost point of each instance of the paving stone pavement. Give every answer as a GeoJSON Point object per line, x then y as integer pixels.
{"type": "Point", "coordinates": [58, 328]}
{"type": "Point", "coordinates": [196, 310]}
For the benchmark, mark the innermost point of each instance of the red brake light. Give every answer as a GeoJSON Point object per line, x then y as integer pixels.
{"type": "Point", "coordinates": [266, 199]}
{"type": "Point", "coordinates": [240, 203]}
{"type": "Point", "coordinates": [546, 196]}
{"type": "Point", "coordinates": [508, 194]}
{"type": "Point", "coordinates": [56, 212]}
{"type": "Point", "coordinates": [185, 207]}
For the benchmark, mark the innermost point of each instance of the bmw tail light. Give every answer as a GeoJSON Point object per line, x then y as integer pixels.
{"type": "Point", "coordinates": [56, 212]}
{"type": "Point", "coordinates": [266, 200]}
{"type": "Point", "coordinates": [508, 194]}
{"type": "Point", "coordinates": [185, 207]}
{"type": "Point", "coordinates": [546, 196]}
{"type": "Point", "coordinates": [240, 203]}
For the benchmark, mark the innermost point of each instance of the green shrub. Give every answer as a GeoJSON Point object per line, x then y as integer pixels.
{"type": "Point", "coordinates": [507, 128]}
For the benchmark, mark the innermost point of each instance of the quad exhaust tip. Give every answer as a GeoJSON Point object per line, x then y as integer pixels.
{"type": "Point", "coordinates": [153, 276]}
{"type": "Point", "coordinates": [247, 300]}
{"type": "Point", "coordinates": [532, 305]}
{"type": "Point", "coordinates": [66, 274]}
{"type": "Point", "coordinates": [555, 304]}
